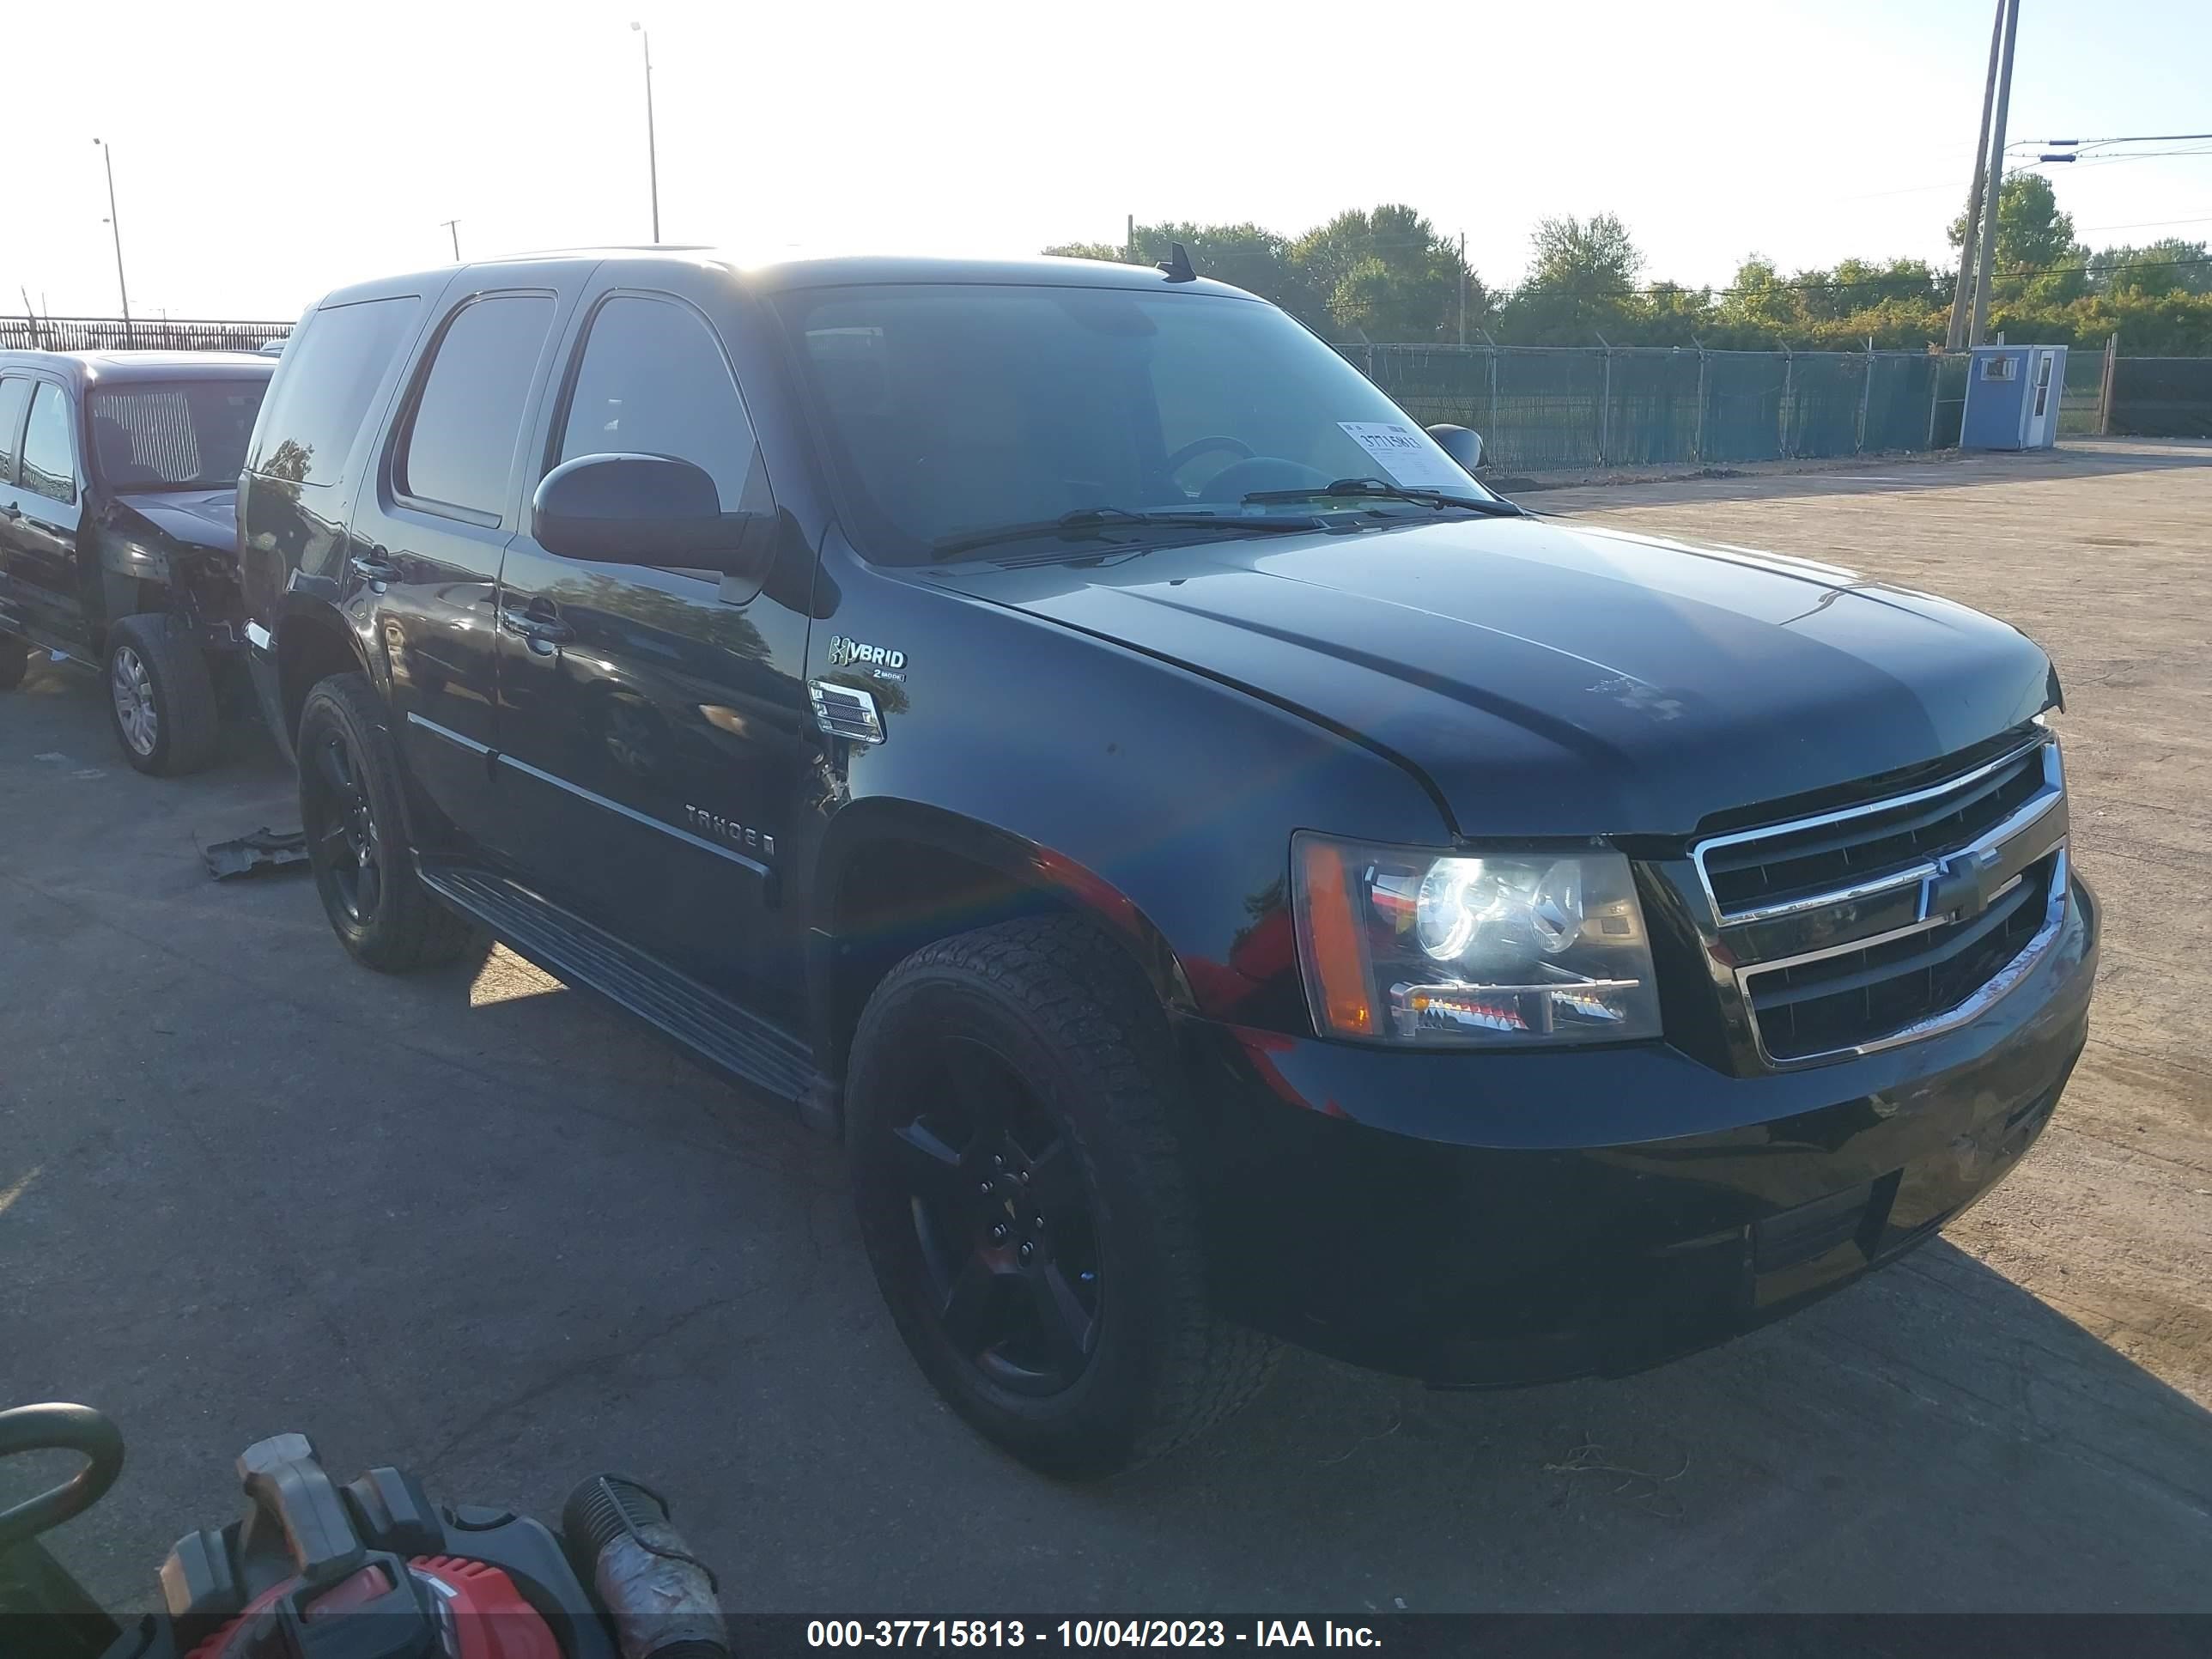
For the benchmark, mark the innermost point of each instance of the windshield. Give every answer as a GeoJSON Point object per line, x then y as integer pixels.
{"type": "Point", "coordinates": [173, 434]}
{"type": "Point", "coordinates": [958, 409]}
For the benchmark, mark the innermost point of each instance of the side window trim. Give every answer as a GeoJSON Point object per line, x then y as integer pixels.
{"type": "Point", "coordinates": [11, 443]}
{"type": "Point", "coordinates": [573, 371]}
{"type": "Point", "coordinates": [401, 430]}
{"type": "Point", "coordinates": [70, 432]}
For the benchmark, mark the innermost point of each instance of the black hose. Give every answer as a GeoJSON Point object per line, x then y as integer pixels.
{"type": "Point", "coordinates": [59, 1428]}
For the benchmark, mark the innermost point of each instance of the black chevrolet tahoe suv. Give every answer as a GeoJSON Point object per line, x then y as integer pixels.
{"type": "Point", "coordinates": [119, 524]}
{"type": "Point", "coordinates": [1225, 874]}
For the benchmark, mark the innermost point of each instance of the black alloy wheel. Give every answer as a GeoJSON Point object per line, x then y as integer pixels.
{"type": "Point", "coordinates": [341, 828]}
{"type": "Point", "coordinates": [358, 843]}
{"type": "Point", "coordinates": [1003, 1220]}
{"type": "Point", "coordinates": [1016, 1125]}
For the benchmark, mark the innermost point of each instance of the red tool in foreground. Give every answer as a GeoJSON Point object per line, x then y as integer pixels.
{"type": "Point", "coordinates": [370, 1569]}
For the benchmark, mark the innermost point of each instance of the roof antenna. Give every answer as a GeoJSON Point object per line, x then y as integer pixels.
{"type": "Point", "coordinates": [1177, 264]}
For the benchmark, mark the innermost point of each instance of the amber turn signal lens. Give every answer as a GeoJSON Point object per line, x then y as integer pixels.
{"type": "Point", "coordinates": [1331, 942]}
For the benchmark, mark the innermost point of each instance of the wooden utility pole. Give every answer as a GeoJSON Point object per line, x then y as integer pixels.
{"type": "Point", "coordinates": [1962, 294]}
{"type": "Point", "coordinates": [2105, 388]}
{"type": "Point", "coordinates": [1995, 187]}
{"type": "Point", "coordinates": [1462, 288]}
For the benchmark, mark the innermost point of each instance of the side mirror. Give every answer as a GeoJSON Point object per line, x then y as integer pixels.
{"type": "Point", "coordinates": [1461, 444]}
{"type": "Point", "coordinates": [638, 509]}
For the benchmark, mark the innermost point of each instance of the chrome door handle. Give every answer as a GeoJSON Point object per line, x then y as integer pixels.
{"type": "Point", "coordinates": [373, 567]}
{"type": "Point", "coordinates": [538, 633]}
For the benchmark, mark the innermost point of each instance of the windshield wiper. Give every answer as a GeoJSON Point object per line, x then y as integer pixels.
{"type": "Point", "coordinates": [1377, 490]}
{"type": "Point", "coordinates": [1086, 522]}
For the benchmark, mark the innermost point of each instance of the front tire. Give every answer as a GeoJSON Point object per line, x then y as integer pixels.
{"type": "Point", "coordinates": [349, 808]}
{"type": "Point", "coordinates": [161, 697]}
{"type": "Point", "coordinates": [1015, 1134]}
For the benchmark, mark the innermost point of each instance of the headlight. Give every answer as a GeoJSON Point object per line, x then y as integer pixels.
{"type": "Point", "coordinates": [1499, 949]}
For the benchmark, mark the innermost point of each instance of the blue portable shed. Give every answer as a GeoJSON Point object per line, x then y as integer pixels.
{"type": "Point", "coordinates": [2013, 394]}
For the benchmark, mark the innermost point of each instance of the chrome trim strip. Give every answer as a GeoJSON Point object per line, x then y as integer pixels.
{"type": "Point", "coordinates": [636, 817]}
{"type": "Point", "coordinates": [1748, 971]}
{"type": "Point", "coordinates": [1992, 990]}
{"type": "Point", "coordinates": [1821, 901]}
{"type": "Point", "coordinates": [2052, 791]}
{"type": "Point", "coordinates": [448, 734]}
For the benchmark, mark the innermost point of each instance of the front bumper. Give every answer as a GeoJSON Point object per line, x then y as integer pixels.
{"type": "Point", "coordinates": [1482, 1220]}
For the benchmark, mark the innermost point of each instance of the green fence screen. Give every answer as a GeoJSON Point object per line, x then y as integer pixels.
{"type": "Point", "coordinates": [2162, 397]}
{"type": "Point", "coordinates": [1561, 408]}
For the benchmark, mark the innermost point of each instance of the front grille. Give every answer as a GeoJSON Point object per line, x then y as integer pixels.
{"type": "Point", "coordinates": [1768, 871]}
{"type": "Point", "coordinates": [1895, 918]}
{"type": "Point", "coordinates": [1840, 1002]}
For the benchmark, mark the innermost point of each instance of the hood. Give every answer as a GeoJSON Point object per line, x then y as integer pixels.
{"type": "Point", "coordinates": [1549, 680]}
{"type": "Point", "coordinates": [198, 518]}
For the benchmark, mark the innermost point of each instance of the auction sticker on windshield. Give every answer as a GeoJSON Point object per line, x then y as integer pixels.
{"type": "Point", "coordinates": [1402, 453]}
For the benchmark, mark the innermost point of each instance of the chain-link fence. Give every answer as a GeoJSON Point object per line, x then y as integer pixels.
{"type": "Point", "coordinates": [1550, 408]}
{"type": "Point", "coordinates": [113, 334]}
{"type": "Point", "coordinates": [2162, 397]}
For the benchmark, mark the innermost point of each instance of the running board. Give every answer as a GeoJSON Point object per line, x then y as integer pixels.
{"type": "Point", "coordinates": [704, 1023]}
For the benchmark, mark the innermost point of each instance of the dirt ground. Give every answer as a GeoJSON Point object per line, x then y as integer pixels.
{"type": "Point", "coordinates": [472, 1225]}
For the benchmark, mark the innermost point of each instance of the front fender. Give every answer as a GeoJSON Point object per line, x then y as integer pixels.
{"type": "Point", "coordinates": [1158, 800]}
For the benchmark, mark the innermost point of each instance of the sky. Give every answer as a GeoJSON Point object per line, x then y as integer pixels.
{"type": "Point", "coordinates": [265, 155]}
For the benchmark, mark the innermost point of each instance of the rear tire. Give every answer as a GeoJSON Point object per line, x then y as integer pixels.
{"type": "Point", "coordinates": [350, 809]}
{"type": "Point", "coordinates": [1014, 1125]}
{"type": "Point", "coordinates": [161, 697]}
{"type": "Point", "coordinates": [14, 661]}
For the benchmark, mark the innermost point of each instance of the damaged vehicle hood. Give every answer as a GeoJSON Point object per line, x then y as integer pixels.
{"type": "Point", "coordinates": [204, 519]}
{"type": "Point", "coordinates": [1552, 679]}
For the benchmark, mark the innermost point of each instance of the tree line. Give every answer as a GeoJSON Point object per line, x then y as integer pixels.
{"type": "Point", "coordinates": [1388, 275]}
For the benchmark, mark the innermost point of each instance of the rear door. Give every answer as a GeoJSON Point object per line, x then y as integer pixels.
{"type": "Point", "coordinates": [654, 725]}
{"type": "Point", "coordinates": [422, 566]}
{"type": "Point", "coordinates": [41, 512]}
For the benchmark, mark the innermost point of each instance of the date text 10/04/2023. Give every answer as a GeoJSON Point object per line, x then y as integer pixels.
{"type": "Point", "coordinates": [1086, 1633]}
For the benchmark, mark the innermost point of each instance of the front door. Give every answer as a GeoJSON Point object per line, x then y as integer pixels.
{"type": "Point", "coordinates": [653, 723]}
{"type": "Point", "coordinates": [42, 593]}
{"type": "Point", "coordinates": [422, 562]}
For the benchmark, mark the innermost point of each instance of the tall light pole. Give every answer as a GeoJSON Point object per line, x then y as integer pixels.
{"type": "Point", "coordinates": [122, 287]}
{"type": "Point", "coordinates": [1995, 186]}
{"type": "Point", "coordinates": [651, 147]}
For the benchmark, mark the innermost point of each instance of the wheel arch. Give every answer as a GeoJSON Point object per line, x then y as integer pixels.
{"type": "Point", "coordinates": [892, 876]}
{"type": "Point", "coordinates": [313, 642]}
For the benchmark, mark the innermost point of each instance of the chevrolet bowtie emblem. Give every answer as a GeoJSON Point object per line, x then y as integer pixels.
{"type": "Point", "coordinates": [1962, 886]}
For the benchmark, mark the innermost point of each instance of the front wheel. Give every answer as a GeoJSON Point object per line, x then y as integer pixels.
{"type": "Point", "coordinates": [1014, 1136]}
{"type": "Point", "coordinates": [161, 697]}
{"type": "Point", "coordinates": [349, 809]}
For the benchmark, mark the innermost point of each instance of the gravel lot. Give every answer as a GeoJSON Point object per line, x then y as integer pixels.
{"type": "Point", "coordinates": [475, 1225]}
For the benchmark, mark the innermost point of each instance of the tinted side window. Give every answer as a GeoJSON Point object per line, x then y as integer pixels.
{"type": "Point", "coordinates": [461, 442]}
{"type": "Point", "coordinates": [329, 373]}
{"type": "Point", "coordinates": [15, 400]}
{"type": "Point", "coordinates": [49, 463]}
{"type": "Point", "coordinates": [653, 382]}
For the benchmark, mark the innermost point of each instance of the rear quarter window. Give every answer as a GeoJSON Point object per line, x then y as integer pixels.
{"type": "Point", "coordinates": [325, 383]}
